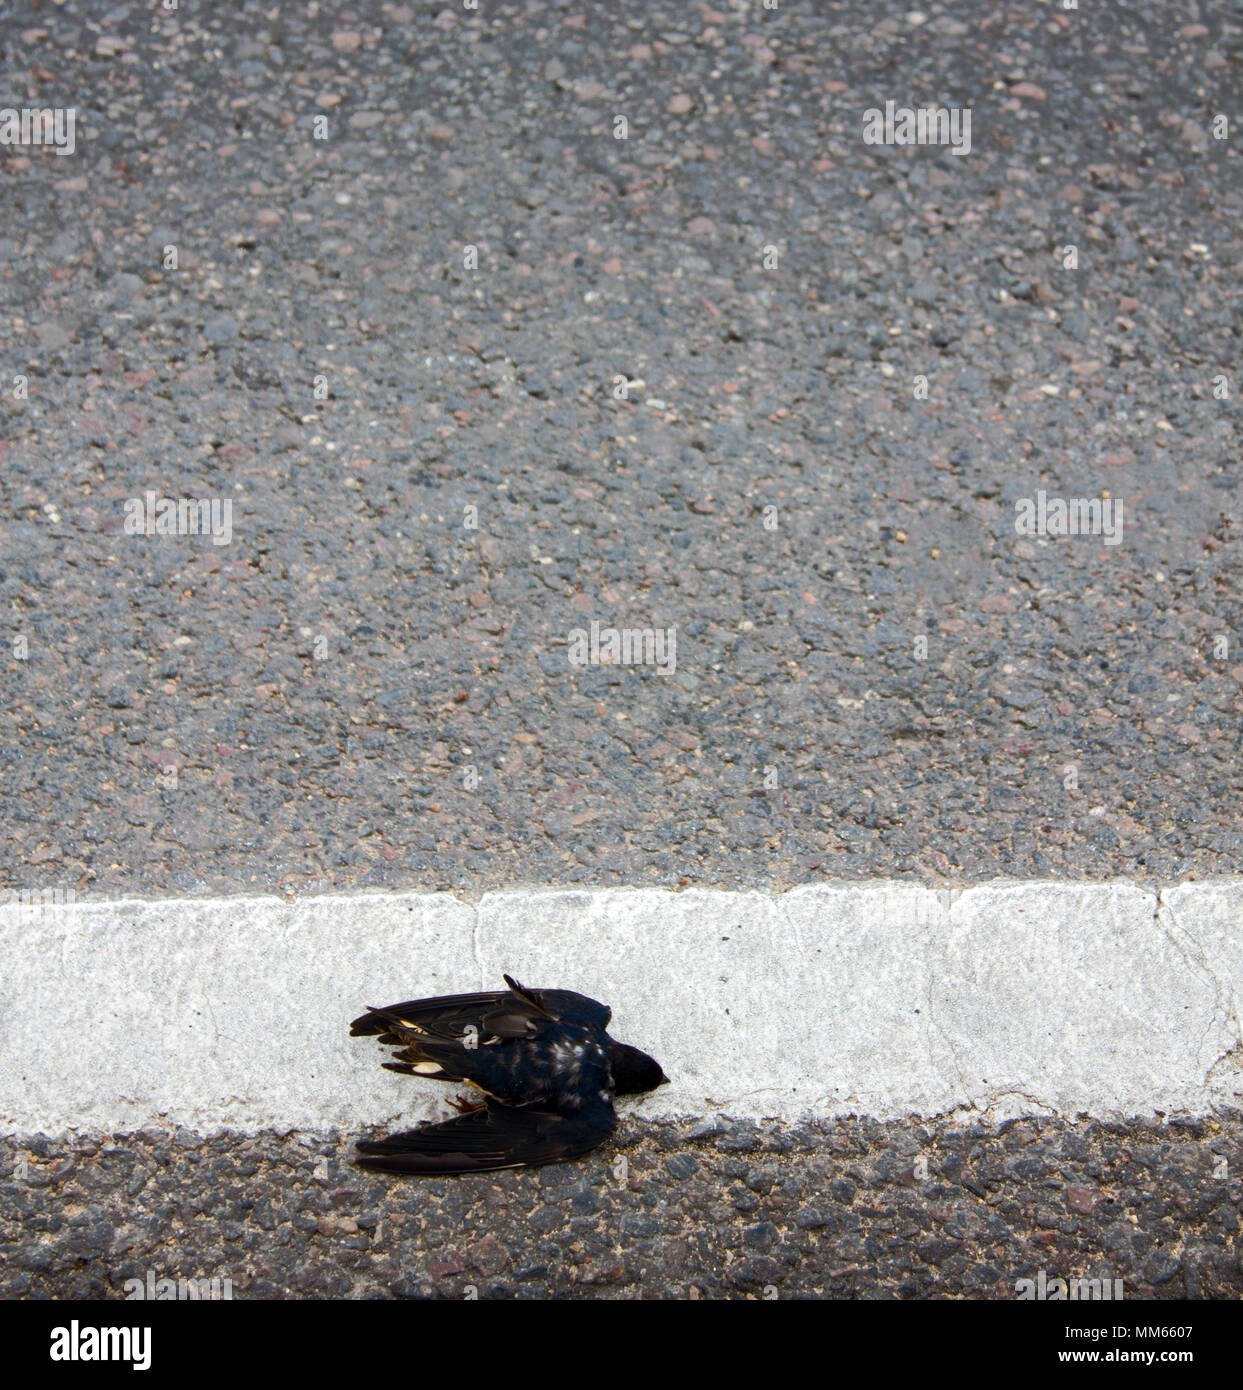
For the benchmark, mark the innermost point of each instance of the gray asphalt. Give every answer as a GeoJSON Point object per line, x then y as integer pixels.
{"type": "Point", "coordinates": [706, 1210]}
{"type": "Point", "coordinates": [360, 690]}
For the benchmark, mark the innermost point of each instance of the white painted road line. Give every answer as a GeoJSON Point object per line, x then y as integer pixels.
{"type": "Point", "coordinates": [884, 999]}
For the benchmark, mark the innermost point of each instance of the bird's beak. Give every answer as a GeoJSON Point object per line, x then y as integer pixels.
{"type": "Point", "coordinates": [664, 1080]}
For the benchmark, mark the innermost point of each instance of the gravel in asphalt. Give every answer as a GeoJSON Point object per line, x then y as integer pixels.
{"type": "Point", "coordinates": [874, 673]}
{"type": "Point", "coordinates": [706, 1209]}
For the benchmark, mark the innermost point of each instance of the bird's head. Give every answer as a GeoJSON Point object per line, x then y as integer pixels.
{"type": "Point", "coordinates": [633, 1071]}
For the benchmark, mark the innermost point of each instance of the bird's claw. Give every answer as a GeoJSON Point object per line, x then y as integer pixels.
{"type": "Point", "coordinates": [463, 1104]}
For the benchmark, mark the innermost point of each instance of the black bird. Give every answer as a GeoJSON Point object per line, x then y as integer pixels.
{"type": "Point", "coordinates": [547, 1069]}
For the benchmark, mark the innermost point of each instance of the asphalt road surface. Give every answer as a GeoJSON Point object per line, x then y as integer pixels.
{"type": "Point", "coordinates": [709, 1210]}
{"type": "Point", "coordinates": [362, 689]}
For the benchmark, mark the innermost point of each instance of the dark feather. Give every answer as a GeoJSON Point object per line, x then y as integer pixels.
{"type": "Point", "coordinates": [516, 1012]}
{"type": "Point", "coordinates": [497, 1136]}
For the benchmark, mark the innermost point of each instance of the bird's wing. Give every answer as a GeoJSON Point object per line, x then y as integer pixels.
{"type": "Point", "coordinates": [507, 1014]}
{"type": "Point", "coordinates": [496, 1136]}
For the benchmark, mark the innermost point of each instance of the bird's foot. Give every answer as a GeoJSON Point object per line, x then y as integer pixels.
{"type": "Point", "coordinates": [463, 1104]}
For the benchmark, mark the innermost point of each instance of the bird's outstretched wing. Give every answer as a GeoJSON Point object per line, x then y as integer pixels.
{"type": "Point", "coordinates": [495, 1136]}
{"type": "Point", "coordinates": [514, 1046]}
{"type": "Point", "coordinates": [506, 1014]}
